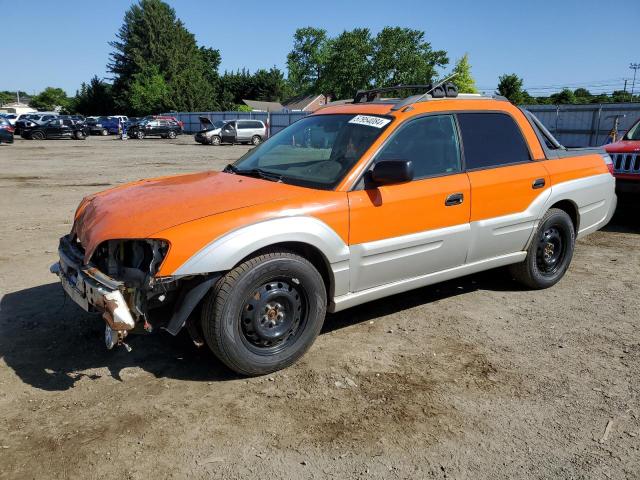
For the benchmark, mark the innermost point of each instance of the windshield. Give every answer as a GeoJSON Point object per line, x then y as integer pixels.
{"type": "Point", "coordinates": [218, 124]}
{"type": "Point", "coordinates": [634, 132]}
{"type": "Point", "coordinates": [315, 151]}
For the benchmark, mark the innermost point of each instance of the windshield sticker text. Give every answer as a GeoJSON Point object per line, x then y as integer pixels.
{"type": "Point", "coordinates": [370, 121]}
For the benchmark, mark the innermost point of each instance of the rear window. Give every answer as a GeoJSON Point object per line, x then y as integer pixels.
{"type": "Point", "coordinates": [491, 140]}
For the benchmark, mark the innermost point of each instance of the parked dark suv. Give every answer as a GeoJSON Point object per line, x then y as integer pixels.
{"type": "Point", "coordinates": [31, 120]}
{"type": "Point", "coordinates": [158, 128]}
{"type": "Point", "coordinates": [56, 128]}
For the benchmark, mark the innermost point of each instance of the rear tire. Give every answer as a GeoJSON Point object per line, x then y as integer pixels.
{"type": "Point", "coordinates": [264, 314]}
{"type": "Point", "coordinates": [256, 140]}
{"type": "Point", "coordinates": [550, 252]}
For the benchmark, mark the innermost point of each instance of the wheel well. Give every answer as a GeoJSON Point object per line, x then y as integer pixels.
{"type": "Point", "coordinates": [309, 252]}
{"type": "Point", "coordinates": [571, 209]}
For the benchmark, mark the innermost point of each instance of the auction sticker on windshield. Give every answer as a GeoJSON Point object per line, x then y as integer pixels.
{"type": "Point", "coordinates": [368, 120]}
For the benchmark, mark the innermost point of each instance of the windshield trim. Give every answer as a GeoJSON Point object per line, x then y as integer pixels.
{"type": "Point", "coordinates": [299, 182]}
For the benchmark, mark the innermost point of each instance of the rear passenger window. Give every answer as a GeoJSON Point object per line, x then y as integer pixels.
{"type": "Point", "coordinates": [491, 140]}
{"type": "Point", "coordinates": [431, 143]}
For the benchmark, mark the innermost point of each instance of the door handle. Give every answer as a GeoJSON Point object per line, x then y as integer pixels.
{"type": "Point", "coordinates": [538, 183]}
{"type": "Point", "coordinates": [454, 199]}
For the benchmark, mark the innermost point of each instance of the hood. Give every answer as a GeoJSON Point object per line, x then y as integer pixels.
{"type": "Point", "coordinates": [205, 122]}
{"type": "Point", "coordinates": [140, 209]}
{"type": "Point", "coordinates": [623, 146]}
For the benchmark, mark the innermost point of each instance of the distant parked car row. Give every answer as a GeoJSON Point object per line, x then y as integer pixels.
{"type": "Point", "coordinates": [51, 125]}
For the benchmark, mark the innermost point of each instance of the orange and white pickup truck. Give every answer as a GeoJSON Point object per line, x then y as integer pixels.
{"type": "Point", "coordinates": [358, 201]}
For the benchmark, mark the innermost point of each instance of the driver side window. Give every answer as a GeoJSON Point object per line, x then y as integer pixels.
{"type": "Point", "coordinates": [431, 143]}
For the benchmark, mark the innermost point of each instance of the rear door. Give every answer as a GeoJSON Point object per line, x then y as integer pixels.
{"type": "Point", "coordinates": [506, 182]}
{"type": "Point", "coordinates": [416, 228]}
{"type": "Point", "coordinates": [243, 130]}
{"type": "Point", "coordinates": [67, 128]}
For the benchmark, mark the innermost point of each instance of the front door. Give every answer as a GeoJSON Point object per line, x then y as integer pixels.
{"type": "Point", "coordinates": [229, 133]}
{"type": "Point", "coordinates": [416, 228]}
{"type": "Point", "coordinates": [53, 128]}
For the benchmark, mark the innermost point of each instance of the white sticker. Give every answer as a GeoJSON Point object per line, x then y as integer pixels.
{"type": "Point", "coordinates": [369, 121]}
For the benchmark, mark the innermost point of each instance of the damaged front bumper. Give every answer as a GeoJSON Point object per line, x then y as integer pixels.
{"type": "Point", "coordinates": [125, 304]}
{"type": "Point", "coordinates": [94, 292]}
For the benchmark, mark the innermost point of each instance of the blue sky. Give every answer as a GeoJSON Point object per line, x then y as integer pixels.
{"type": "Point", "coordinates": [548, 43]}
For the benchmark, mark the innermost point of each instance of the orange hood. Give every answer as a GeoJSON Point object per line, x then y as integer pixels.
{"type": "Point", "coordinates": [140, 209]}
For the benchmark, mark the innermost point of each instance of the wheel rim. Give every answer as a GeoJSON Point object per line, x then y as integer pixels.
{"type": "Point", "coordinates": [38, 136]}
{"type": "Point", "coordinates": [256, 141]}
{"type": "Point", "coordinates": [273, 316]}
{"type": "Point", "coordinates": [172, 134]}
{"type": "Point", "coordinates": [552, 247]}
{"type": "Point", "coordinates": [215, 141]}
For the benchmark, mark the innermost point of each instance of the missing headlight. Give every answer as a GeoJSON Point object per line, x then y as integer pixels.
{"type": "Point", "coordinates": [132, 261]}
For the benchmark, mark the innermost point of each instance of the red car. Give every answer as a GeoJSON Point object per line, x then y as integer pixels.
{"type": "Point", "coordinates": [625, 154]}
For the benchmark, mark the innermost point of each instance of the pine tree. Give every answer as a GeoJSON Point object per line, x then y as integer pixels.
{"type": "Point", "coordinates": [153, 42]}
{"type": "Point", "coordinates": [463, 79]}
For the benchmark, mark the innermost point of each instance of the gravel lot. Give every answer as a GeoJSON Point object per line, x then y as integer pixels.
{"type": "Point", "coordinates": [474, 378]}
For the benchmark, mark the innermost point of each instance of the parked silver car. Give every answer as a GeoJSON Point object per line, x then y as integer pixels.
{"type": "Point", "coordinates": [231, 131]}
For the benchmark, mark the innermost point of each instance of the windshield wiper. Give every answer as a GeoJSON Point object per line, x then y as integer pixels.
{"type": "Point", "coordinates": [230, 168]}
{"type": "Point", "coordinates": [258, 173]}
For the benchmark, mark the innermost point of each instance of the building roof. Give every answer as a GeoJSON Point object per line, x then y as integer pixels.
{"type": "Point", "coordinates": [260, 106]}
{"type": "Point", "coordinates": [300, 102]}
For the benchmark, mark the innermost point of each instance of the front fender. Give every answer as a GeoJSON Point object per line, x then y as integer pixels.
{"type": "Point", "coordinates": [227, 251]}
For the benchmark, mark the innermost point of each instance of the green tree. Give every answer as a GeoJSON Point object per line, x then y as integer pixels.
{"type": "Point", "coordinates": [307, 59]}
{"type": "Point", "coordinates": [151, 37]}
{"type": "Point", "coordinates": [348, 64]}
{"type": "Point", "coordinates": [51, 98]}
{"type": "Point", "coordinates": [269, 85]}
{"type": "Point", "coordinates": [510, 86]}
{"type": "Point", "coordinates": [566, 96]}
{"type": "Point", "coordinates": [95, 98]}
{"type": "Point", "coordinates": [149, 92]}
{"type": "Point", "coordinates": [402, 56]}
{"type": "Point", "coordinates": [463, 79]}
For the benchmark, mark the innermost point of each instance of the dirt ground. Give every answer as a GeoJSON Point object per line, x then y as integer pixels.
{"type": "Point", "coordinates": [471, 379]}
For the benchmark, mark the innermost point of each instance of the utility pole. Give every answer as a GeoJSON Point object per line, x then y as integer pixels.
{"type": "Point", "coordinates": [634, 67]}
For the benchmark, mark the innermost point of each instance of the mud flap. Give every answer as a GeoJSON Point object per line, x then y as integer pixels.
{"type": "Point", "coordinates": [189, 302]}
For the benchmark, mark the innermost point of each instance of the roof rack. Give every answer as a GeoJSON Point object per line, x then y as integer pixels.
{"type": "Point", "coordinates": [441, 89]}
{"type": "Point", "coordinates": [374, 93]}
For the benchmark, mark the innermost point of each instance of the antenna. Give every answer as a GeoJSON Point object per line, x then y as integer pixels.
{"type": "Point", "coordinates": [438, 84]}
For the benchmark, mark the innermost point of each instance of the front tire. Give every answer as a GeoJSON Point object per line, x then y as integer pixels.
{"type": "Point", "coordinates": [550, 252]}
{"type": "Point", "coordinates": [216, 140]}
{"type": "Point", "coordinates": [104, 132]}
{"type": "Point", "coordinates": [139, 134]}
{"type": "Point", "coordinates": [263, 315]}
{"type": "Point", "coordinates": [37, 135]}
{"type": "Point", "coordinates": [171, 134]}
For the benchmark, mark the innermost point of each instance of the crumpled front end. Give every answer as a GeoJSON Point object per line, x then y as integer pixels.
{"type": "Point", "coordinates": [119, 281]}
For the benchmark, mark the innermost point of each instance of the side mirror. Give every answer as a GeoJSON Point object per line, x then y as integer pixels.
{"type": "Point", "coordinates": [389, 172]}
